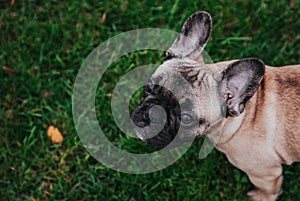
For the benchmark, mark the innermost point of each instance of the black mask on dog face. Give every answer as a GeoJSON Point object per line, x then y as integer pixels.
{"type": "Point", "coordinates": [148, 113]}
{"type": "Point", "coordinates": [161, 110]}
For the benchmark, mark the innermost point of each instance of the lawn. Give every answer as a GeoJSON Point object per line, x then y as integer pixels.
{"type": "Point", "coordinates": [42, 47]}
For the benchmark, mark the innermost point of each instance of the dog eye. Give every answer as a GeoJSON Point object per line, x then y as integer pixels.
{"type": "Point", "coordinates": [186, 119]}
{"type": "Point", "coordinates": [148, 88]}
{"type": "Point", "coordinates": [150, 85]}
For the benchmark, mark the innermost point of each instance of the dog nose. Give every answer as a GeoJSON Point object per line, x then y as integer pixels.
{"type": "Point", "coordinates": [144, 121]}
{"type": "Point", "coordinates": [146, 116]}
{"type": "Point", "coordinates": [141, 118]}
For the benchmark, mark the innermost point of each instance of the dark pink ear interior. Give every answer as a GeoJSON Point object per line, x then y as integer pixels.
{"type": "Point", "coordinates": [193, 37]}
{"type": "Point", "coordinates": [241, 80]}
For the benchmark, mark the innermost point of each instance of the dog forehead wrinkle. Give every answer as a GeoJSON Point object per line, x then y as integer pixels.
{"type": "Point", "coordinates": [177, 62]}
{"type": "Point", "coordinates": [179, 65]}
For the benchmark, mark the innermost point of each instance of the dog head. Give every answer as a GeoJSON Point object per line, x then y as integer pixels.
{"type": "Point", "coordinates": [184, 96]}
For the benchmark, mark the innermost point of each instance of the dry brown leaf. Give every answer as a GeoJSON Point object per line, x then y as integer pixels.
{"type": "Point", "coordinates": [103, 19]}
{"type": "Point", "coordinates": [292, 3]}
{"type": "Point", "coordinates": [13, 168]}
{"type": "Point", "coordinates": [54, 135]}
{"type": "Point", "coordinates": [9, 70]}
{"type": "Point", "coordinates": [12, 2]}
{"type": "Point", "coordinates": [47, 94]}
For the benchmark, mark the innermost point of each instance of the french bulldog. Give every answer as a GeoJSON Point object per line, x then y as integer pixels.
{"type": "Point", "coordinates": [250, 111]}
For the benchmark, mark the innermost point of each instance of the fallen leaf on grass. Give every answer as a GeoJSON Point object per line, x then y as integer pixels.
{"type": "Point", "coordinates": [9, 70]}
{"type": "Point", "coordinates": [103, 19]}
{"type": "Point", "coordinates": [54, 135]}
{"type": "Point", "coordinates": [12, 168]}
{"type": "Point", "coordinates": [292, 3]}
{"type": "Point", "coordinates": [47, 94]}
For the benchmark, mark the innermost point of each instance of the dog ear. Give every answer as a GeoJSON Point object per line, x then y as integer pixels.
{"type": "Point", "coordinates": [241, 80]}
{"type": "Point", "coordinates": [193, 37]}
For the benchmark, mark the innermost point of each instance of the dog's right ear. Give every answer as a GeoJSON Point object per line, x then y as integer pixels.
{"type": "Point", "coordinates": [193, 37]}
{"type": "Point", "coordinates": [241, 80]}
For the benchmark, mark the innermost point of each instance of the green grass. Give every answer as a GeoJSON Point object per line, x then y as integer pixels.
{"type": "Point", "coordinates": [45, 42]}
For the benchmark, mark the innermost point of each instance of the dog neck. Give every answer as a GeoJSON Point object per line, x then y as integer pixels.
{"type": "Point", "coordinates": [224, 129]}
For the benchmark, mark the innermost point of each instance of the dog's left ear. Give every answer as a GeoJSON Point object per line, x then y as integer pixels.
{"type": "Point", "coordinates": [240, 80]}
{"type": "Point", "coordinates": [193, 37]}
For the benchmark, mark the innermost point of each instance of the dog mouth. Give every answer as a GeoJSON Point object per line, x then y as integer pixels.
{"type": "Point", "coordinates": [148, 132]}
{"type": "Point", "coordinates": [141, 134]}
{"type": "Point", "coordinates": [156, 118]}
{"type": "Point", "coordinates": [159, 126]}
{"type": "Point", "coordinates": [159, 120]}
{"type": "Point", "coordinates": [162, 139]}
{"type": "Point", "coordinates": [155, 125]}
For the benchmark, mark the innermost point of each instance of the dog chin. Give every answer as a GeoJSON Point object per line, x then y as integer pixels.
{"type": "Point", "coordinates": [140, 135]}
{"type": "Point", "coordinates": [162, 140]}
{"type": "Point", "coordinates": [159, 140]}
{"type": "Point", "coordinates": [168, 145]}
